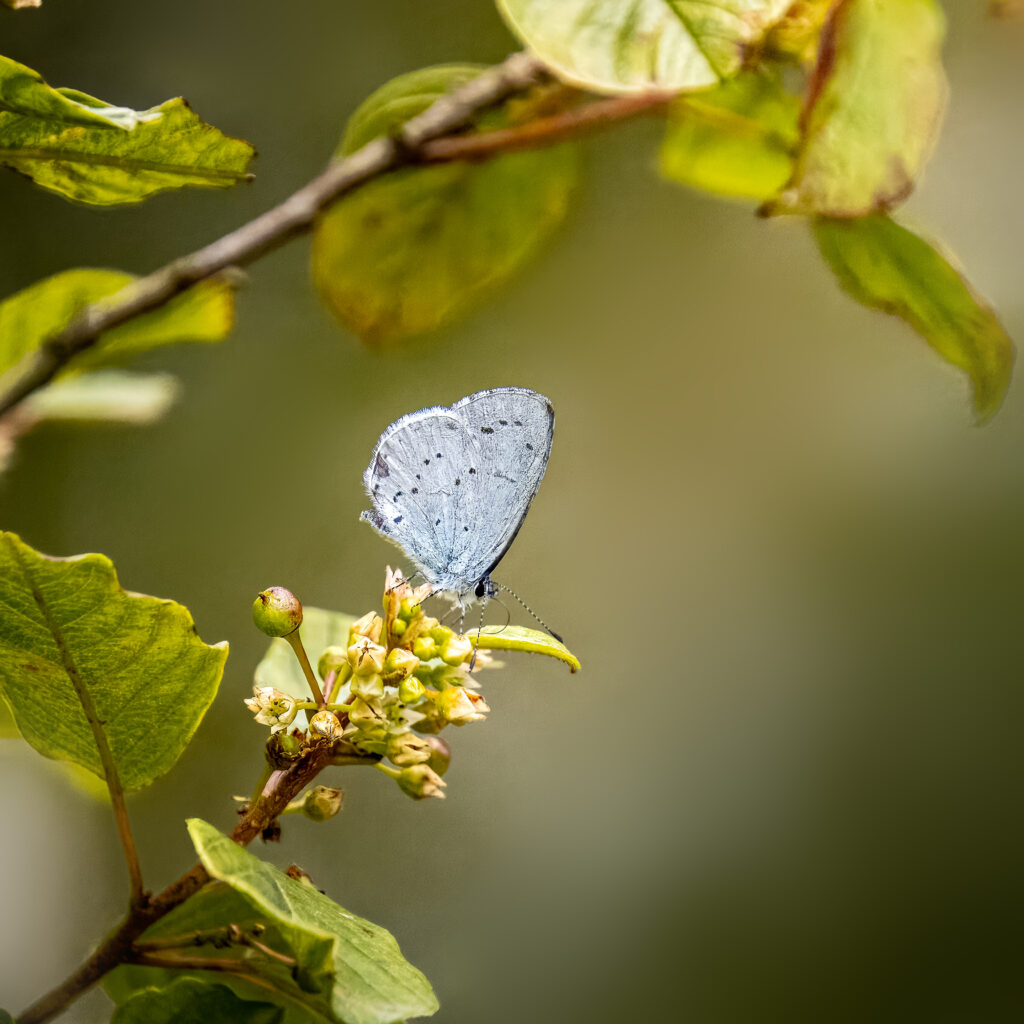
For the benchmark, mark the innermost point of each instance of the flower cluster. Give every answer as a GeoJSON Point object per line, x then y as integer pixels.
{"type": "Point", "coordinates": [402, 678]}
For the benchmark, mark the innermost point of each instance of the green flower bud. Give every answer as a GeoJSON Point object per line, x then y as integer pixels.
{"type": "Point", "coordinates": [407, 748]}
{"type": "Point", "coordinates": [424, 648]}
{"type": "Point", "coordinates": [456, 705]}
{"type": "Point", "coordinates": [399, 626]}
{"type": "Point", "coordinates": [399, 665]}
{"type": "Point", "coordinates": [409, 608]}
{"type": "Point", "coordinates": [366, 657]}
{"type": "Point", "coordinates": [331, 660]}
{"type": "Point", "coordinates": [441, 634]}
{"type": "Point", "coordinates": [367, 687]}
{"type": "Point", "coordinates": [325, 725]}
{"type": "Point", "coordinates": [410, 690]}
{"type": "Point", "coordinates": [456, 649]}
{"type": "Point", "coordinates": [421, 781]}
{"type": "Point", "coordinates": [277, 612]}
{"type": "Point", "coordinates": [322, 802]}
{"type": "Point", "coordinates": [366, 713]}
{"type": "Point", "coordinates": [283, 749]}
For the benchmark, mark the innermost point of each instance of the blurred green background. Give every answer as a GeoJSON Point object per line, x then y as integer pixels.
{"type": "Point", "coordinates": [787, 784]}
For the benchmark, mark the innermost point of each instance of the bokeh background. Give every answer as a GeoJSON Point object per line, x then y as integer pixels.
{"type": "Point", "coordinates": [787, 784]}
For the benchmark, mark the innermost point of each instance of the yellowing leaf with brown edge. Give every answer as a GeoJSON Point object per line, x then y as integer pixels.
{"type": "Point", "coordinates": [873, 109]}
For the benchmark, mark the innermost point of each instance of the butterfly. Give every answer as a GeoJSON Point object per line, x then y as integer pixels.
{"type": "Point", "coordinates": [452, 485]}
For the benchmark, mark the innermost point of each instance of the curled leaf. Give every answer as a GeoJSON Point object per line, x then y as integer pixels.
{"type": "Point", "coordinates": [886, 267]}
{"type": "Point", "coordinates": [517, 638]}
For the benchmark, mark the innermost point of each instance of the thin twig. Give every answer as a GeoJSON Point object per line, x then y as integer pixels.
{"type": "Point", "coordinates": [117, 947]}
{"type": "Point", "coordinates": [271, 229]}
{"type": "Point", "coordinates": [544, 131]}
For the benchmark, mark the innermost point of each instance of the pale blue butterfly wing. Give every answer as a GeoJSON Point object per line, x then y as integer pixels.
{"type": "Point", "coordinates": [451, 486]}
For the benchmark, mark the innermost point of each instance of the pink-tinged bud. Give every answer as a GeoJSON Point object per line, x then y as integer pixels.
{"type": "Point", "coordinates": [277, 612]}
{"type": "Point", "coordinates": [420, 782]}
{"type": "Point", "coordinates": [370, 626]}
{"type": "Point", "coordinates": [325, 725]}
{"type": "Point", "coordinates": [322, 802]}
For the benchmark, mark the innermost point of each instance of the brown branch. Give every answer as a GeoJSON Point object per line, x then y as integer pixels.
{"type": "Point", "coordinates": [544, 131]}
{"type": "Point", "coordinates": [278, 225]}
{"type": "Point", "coordinates": [118, 948]}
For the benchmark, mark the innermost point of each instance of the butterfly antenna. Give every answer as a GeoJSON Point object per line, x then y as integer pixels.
{"type": "Point", "coordinates": [501, 586]}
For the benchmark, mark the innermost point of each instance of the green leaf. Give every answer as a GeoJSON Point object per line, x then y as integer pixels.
{"type": "Point", "coordinates": [873, 111]}
{"type": "Point", "coordinates": [349, 970]}
{"type": "Point", "coordinates": [372, 983]}
{"type": "Point", "coordinates": [204, 313]}
{"type": "Point", "coordinates": [95, 153]}
{"type": "Point", "coordinates": [414, 250]}
{"type": "Point", "coordinates": [516, 638]}
{"type": "Point", "coordinates": [886, 267]}
{"type": "Point", "coordinates": [192, 1001]}
{"type": "Point", "coordinates": [6, 1018]}
{"type": "Point", "coordinates": [8, 727]}
{"type": "Point", "coordinates": [104, 396]}
{"type": "Point", "coordinates": [737, 140]}
{"type": "Point", "coordinates": [614, 47]}
{"type": "Point", "coordinates": [70, 637]}
{"type": "Point", "coordinates": [279, 667]}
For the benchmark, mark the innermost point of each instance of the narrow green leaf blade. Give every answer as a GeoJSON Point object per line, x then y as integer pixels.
{"type": "Point", "coordinates": [517, 638]}
{"type": "Point", "coordinates": [415, 250]}
{"type": "Point", "coordinates": [737, 140]}
{"type": "Point", "coordinates": [193, 1001]}
{"type": "Point", "coordinates": [886, 267]}
{"type": "Point", "coordinates": [92, 152]}
{"type": "Point", "coordinates": [372, 983]}
{"type": "Point", "coordinates": [204, 313]}
{"type": "Point", "coordinates": [613, 47]}
{"type": "Point", "coordinates": [148, 674]}
{"type": "Point", "coordinates": [874, 109]}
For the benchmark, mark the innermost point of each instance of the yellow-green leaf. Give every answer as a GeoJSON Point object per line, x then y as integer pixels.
{"type": "Point", "coordinates": [886, 267]}
{"type": "Point", "coordinates": [412, 251]}
{"type": "Point", "coordinates": [614, 47]}
{"type": "Point", "coordinates": [873, 111]}
{"type": "Point", "coordinates": [737, 140]}
{"type": "Point", "coordinates": [204, 313]}
{"type": "Point", "coordinates": [92, 152]}
{"type": "Point", "coordinates": [517, 638]}
{"type": "Point", "coordinates": [76, 649]}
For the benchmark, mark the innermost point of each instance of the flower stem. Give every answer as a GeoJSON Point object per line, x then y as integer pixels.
{"type": "Point", "coordinates": [307, 670]}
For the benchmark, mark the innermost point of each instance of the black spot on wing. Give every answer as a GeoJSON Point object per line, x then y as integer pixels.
{"type": "Point", "coordinates": [380, 466]}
